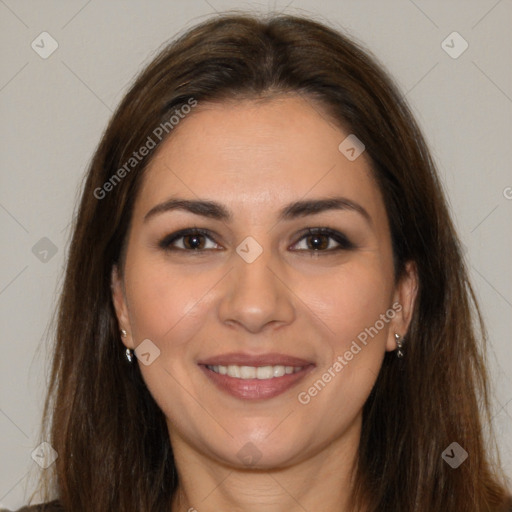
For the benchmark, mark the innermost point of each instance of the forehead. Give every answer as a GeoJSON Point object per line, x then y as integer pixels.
{"type": "Point", "coordinates": [257, 155]}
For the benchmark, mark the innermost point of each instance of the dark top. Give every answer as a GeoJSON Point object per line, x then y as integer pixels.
{"type": "Point", "coordinates": [53, 506]}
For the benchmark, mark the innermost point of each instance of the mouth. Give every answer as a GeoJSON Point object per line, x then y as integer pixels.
{"type": "Point", "coordinates": [255, 377]}
{"type": "Point", "coordinates": [254, 372]}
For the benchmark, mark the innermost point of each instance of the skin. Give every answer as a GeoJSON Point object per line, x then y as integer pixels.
{"type": "Point", "coordinates": [254, 158]}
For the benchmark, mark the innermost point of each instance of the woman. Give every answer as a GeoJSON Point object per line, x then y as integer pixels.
{"type": "Point", "coordinates": [265, 304]}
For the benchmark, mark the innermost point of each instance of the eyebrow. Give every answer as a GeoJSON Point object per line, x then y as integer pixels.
{"type": "Point", "coordinates": [297, 209]}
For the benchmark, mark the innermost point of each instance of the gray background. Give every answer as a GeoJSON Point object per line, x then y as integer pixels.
{"type": "Point", "coordinates": [54, 110]}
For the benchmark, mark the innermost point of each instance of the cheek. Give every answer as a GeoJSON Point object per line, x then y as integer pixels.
{"type": "Point", "coordinates": [351, 300]}
{"type": "Point", "coordinates": [165, 305]}
{"type": "Point", "coordinates": [352, 303]}
{"type": "Point", "coordinates": [169, 308]}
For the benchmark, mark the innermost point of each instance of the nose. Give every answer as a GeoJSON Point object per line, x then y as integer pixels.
{"type": "Point", "coordinates": [257, 294]}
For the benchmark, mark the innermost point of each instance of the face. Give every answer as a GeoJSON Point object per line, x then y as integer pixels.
{"type": "Point", "coordinates": [258, 283]}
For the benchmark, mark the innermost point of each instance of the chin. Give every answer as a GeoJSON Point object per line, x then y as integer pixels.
{"type": "Point", "coordinates": [259, 452]}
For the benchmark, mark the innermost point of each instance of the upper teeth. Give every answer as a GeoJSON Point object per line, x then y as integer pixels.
{"type": "Point", "coordinates": [254, 372]}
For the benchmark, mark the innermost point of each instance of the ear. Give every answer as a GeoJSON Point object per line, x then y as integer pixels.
{"type": "Point", "coordinates": [119, 301]}
{"type": "Point", "coordinates": [404, 298]}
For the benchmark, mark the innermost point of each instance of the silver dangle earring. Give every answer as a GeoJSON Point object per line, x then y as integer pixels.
{"type": "Point", "coordinates": [128, 353]}
{"type": "Point", "coordinates": [399, 344]}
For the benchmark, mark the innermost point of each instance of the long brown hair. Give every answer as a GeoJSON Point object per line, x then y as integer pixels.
{"type": "Point", "coordinates": [111, 437]}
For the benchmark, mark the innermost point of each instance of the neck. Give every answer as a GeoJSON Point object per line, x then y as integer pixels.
{"type": "Point", "coordinates": [320, 482]}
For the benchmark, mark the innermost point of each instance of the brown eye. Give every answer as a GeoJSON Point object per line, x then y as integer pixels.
{"type": "Point", "coordinates": [191, 240]}
{"type": "Point", "coordinates": [317, 242]}
{"type": "Point", "coordinates": [324, 240]}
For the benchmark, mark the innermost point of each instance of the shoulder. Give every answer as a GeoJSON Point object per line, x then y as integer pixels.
{"type": "Point", "coordinates": [53, 506]}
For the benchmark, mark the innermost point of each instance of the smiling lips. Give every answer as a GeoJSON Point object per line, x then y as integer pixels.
{"type": "Point", "coordinates": [254, 372]}
{"type": "Point", "coordinates": [255, 377]}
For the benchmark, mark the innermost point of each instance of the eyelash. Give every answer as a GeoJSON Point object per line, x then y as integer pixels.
{"type": "Point", "coordinates": [340, 238]}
